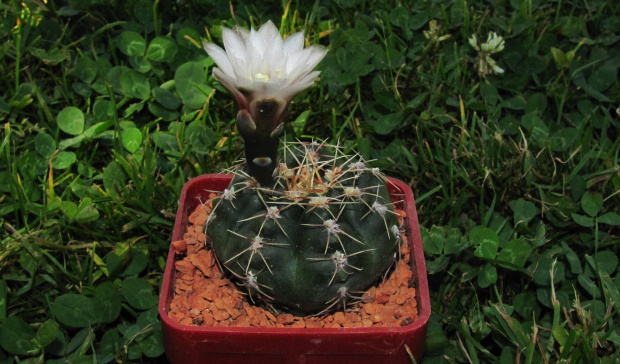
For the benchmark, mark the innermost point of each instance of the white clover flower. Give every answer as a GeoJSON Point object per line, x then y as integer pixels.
{"type": "Point", "coordinates": [494, 43]}
{"type": "Point", "coordinates": [259, 64]}
{"type": "Point", "coordinates": [484, 63]}
{"type": "Point", "coordinates": [490, 62]}
{"type": "Point", "coordinates": [473, 41]}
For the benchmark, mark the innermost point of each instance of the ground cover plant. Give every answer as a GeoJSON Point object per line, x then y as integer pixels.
{"type": "Point", "coordinates": [509, 140]}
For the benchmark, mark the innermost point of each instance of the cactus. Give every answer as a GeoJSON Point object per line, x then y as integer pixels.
{"type": "Point", "coordinates": [321, 229]}
{"type": "Point", "coordinates": [324, 232]}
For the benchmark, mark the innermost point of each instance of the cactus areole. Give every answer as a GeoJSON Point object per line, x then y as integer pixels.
{"type": "Point", "coordinates": [306, 228]}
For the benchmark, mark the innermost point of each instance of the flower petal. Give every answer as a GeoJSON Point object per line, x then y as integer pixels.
{"type": "Point", "coordinates": [316, 55]}
{"type": "Point", "coordinates": [226, 80]}
{"type": "Point", "coordinates": [309, 78]}
{"type": "Point", "coordinates": [260, 64]}
{"type": "Point", "coordinates": [242, 32]}
{"type": "Point", "coordinates": [220, 57]}
{"type": "Point", "coordinates": [294, 43]}
{"type": "Point", "coordinates": [296, 64]}
{"type": "Point", "coordinates": [268, 32]}
{"type": "Point", "coordinates": [235, 47]}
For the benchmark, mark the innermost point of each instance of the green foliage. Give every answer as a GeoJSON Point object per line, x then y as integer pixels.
{"type": "Point", "coordinates": [109, 107]}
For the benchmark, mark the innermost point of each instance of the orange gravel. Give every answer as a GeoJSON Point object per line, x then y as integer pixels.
{"type": "Point", "coordinates": [204, 297]}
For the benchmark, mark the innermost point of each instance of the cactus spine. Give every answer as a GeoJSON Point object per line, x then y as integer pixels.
{"type": "Point", "coordinates": [322, 233]}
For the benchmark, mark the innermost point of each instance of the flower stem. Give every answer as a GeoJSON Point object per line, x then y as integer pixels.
{"type": "Point", "coordinates": [261, 148]}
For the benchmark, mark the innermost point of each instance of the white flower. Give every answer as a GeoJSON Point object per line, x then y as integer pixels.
{"type": "Point", "coordinates": [494, 43]}
{"type": "Point", "coordinates": [259, 64]}
{"type": "Point", "coordinates": [491, 62]}
{"type": "Point", "coordinates": [484, 63]}
{"type": "Point", "coordinates": [263, 72]}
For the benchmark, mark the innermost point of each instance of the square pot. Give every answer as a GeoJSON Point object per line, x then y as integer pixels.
{"type": "Point", "coordinates": [199, 344]}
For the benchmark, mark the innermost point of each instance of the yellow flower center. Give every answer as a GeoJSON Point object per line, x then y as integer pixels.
{"type": "Point", "coordinates": [261, 77]}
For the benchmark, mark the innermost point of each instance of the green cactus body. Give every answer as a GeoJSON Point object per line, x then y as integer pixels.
{"type": "Point", "coordinates": [324, 233]}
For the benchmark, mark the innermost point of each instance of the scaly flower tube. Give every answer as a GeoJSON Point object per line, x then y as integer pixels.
{"type": "Point", "coordinates": [263, 72]}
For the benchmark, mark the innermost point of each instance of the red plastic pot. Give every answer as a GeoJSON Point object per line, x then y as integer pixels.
{"type": "Point", "coordinates": [199, 344]}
